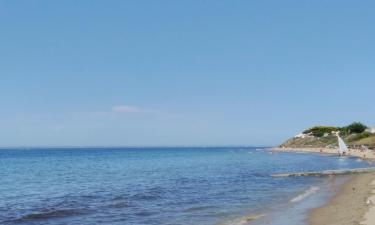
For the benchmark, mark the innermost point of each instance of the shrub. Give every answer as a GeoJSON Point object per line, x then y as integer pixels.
{"type": "Point", "coordinates": [355, 127]}
{"type": "Point", "coordinates": [360, 136]}
{"type": "Point", "coordinates": [319, 131]}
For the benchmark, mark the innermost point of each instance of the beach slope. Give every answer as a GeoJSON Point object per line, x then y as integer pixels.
{"type": "Point", "coordinates": [351, 205]}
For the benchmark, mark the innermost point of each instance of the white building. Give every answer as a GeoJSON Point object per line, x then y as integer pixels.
{"type": "Point", "coordinates": [301, 135]}
{"type": "Point", "coordinates": [371, 130]}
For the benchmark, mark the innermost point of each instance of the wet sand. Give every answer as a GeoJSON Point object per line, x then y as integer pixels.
{"type": "Point", "coordinates": [354, 202]}
{"type": "Point", "coordinates": [351, 205]}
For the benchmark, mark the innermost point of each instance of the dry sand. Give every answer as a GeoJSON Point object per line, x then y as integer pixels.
{"type": "Point", "coordinates": [349, 205]}
{"type": "Point", "coordinates": [367, 154]}
{"type": "Point", "coordinates": [369, 218]}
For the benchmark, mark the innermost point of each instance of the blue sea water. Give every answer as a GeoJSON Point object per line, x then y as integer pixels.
{"type": "Point", "coordinates": [139, 186]}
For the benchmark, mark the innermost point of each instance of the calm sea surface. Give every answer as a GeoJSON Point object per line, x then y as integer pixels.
{"type": "Point", "coordinates": [156, 186]}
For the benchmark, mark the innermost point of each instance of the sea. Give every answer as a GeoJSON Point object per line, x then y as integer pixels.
{"type": "Point", "coordinates": [157, 186]}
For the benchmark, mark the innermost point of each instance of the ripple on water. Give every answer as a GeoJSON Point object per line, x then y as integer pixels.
{"type": "Point", "coordinates": [49, 214]}
{"type": "Point", "coordinates": [149, 194]}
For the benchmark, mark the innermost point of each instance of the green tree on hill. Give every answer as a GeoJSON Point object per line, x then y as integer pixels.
{"type": "Point", "coordinates": [355, 127]}
{"type": "Point", "coordinates": [319, 131]}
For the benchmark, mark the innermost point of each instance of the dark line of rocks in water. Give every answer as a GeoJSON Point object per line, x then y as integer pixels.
{"type": "Point", "coordinates": [327, 172]}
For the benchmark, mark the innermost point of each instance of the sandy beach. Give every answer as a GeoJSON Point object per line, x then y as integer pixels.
{"type": "Point", "coordinates": [354, 203]}
{"type": "Point", "coordinates": [351, 205]}
{"type": "Point", "coordinates": [365, 154]}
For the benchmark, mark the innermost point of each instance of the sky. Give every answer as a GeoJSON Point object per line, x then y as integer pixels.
{"type": "Point", "coordinates": [182, 73]}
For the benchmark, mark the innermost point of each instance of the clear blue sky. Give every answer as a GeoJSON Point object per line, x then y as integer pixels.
{"type": "Point", "coordinates": [182, 72]}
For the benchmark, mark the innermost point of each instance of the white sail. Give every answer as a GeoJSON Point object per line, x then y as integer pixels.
{"type": "Point", "coordinates": [342, 146]}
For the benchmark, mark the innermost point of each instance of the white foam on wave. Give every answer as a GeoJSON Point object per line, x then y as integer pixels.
{"type": "Point", "coordinates": [243, 220]}
{"type": "Point", "coordinates": [305, 194]}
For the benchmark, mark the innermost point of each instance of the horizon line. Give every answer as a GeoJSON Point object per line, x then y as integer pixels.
{"type": "Point", "coordinates": [132, 146]}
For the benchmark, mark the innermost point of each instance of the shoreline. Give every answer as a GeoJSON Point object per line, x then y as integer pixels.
{"type": "Point", "coordinates": [363, 154]}
{"type": "Point", "coordinates": [354, 202]}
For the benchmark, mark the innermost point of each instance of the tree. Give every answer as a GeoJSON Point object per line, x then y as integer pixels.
{"type": "Point", "coordinates": [319, 131]}
{"type": "Point", "coordinates": [355, 127]}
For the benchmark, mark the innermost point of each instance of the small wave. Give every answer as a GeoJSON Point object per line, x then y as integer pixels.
{"type": "Point", "coordinates": [49, 215]}
{"type": "Point", "coordinates": [150, 194]}
{"type": "Point", "coordinates": [243, 220]}
{"type": "Point", "coordinates": [305, 194]}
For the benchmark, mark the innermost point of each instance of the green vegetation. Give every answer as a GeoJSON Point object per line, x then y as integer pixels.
{"type": "Point", "coordinates": [319, 131]}
{"type": "Point", "coordinates": [355, 127]}
{"type": "Point", "coordinates": [357, 137]}
{"type": "Point", "coordinates": [325, 137]}
{"type": "Point", "coordinates": [369, 141]}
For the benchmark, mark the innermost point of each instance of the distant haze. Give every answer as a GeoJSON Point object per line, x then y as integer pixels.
{"type": "Point", "coordinates": [134, 73]}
